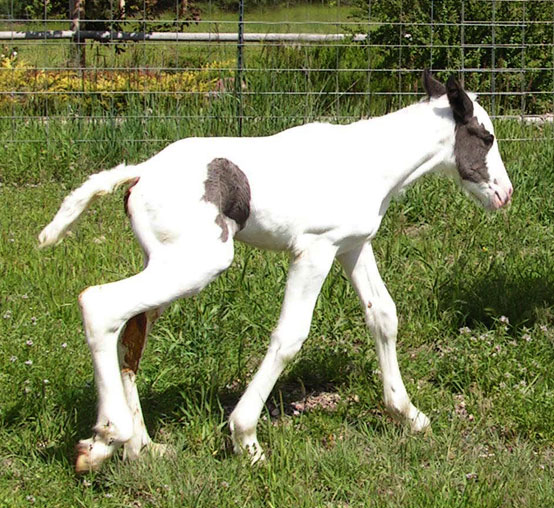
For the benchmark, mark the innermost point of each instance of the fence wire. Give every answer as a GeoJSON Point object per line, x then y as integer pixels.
{"type": "Point", "coordinates": [156, 80]}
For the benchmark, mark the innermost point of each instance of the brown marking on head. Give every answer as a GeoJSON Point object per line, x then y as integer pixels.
{"type": "Point", "coordinates": [473, 141]}
{"type": "Point", "coordinates": [228, 189]}
{"type": "Point", "coordinates": [471, 148]}
{"type": "Point", "coordinates": [132, 340]}
{"type": "Point", "coordinates": [126, 196]}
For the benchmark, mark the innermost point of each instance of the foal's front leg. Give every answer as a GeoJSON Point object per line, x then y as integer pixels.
{"type": "Point", "coordinates": [307, 272]}
{"type": "Point", "coordinates": [380, 314]}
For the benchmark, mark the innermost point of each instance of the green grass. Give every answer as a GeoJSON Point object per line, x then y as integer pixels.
{"type": "Point", "coordinates": [474, 293]}
{"type": "Point", "coordinates": [299, 17]}
{"type": "Point", "coordinates": [311, 18]}
{"type": "Point", "coordinates": [453, 270]}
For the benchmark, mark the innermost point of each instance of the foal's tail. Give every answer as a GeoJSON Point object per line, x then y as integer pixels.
{"type": "Point", "coordinates": [78, 201]}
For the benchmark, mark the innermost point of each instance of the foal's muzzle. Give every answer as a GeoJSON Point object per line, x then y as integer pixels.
{"type": "Point", "coordinates": [502, 196]}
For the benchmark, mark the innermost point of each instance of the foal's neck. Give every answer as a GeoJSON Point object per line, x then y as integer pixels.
{"type": "Point", "coordinates": [423, 135]}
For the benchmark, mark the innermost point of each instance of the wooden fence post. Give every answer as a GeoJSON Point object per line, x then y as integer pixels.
{"type": "Point", "coordinates": [121, 6]}
{"type": "Point", "coordinates": [77, 51]}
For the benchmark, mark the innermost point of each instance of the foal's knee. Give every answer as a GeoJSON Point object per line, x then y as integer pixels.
{"type": "Point", "coordinates": [286, 346]}
{"type": "Point", "coordinates": [382, 318]}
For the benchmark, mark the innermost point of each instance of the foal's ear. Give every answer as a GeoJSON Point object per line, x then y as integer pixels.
{"type": "Point", "coordinates": [433, 87]}
{"type": "Point", "coordinates": [461, 104]}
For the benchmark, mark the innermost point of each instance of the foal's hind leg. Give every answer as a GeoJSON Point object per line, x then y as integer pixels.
{"type": "Point", "coordinates": [380, 313]}
{"type": "Point", "coordinates": [176, 271]}
{"type": "Point", "coordinates": [131, 348]}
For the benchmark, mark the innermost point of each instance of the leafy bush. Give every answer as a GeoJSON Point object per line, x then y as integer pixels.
{"type": "Point", "coordinates": [33, 9]}
{"type": "Point", "coordinates": [410, 36]}
{"type": "Point", "coordinates": [105, 15]}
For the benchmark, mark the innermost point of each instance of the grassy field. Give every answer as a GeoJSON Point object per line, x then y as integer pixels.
{"type": "Point", "coordinates": [476, 307]}
{"type": "Point", "coordinates": [304, 17]}
{"type": "Point", "coordinates": [474, 291]}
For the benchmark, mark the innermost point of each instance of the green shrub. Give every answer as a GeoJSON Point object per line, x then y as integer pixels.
{"type": "Point", "coordinates": [418, 34]}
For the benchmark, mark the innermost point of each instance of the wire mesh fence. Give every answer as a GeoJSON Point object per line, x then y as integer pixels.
{"type": "Point", "coordinates": [143, 75]}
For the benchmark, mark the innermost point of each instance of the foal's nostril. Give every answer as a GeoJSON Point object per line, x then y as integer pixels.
{"type": "Point", "coordinates": [508, 197]}
{"type": "Point", "coordinates": [498, 199]}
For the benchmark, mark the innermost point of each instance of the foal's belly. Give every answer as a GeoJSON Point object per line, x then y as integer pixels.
{"type": "Point", "coordinates": [296, 232]}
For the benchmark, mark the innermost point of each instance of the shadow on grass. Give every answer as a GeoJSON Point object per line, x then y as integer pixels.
{"type": "Point", "coordinates": [308, 375]}
{"type": "Point", "coordinates": [73, 414]}
{"type": "Point", "coordinates": [74, 409]}
{"type": "Point", "coordinates": [311, 383]}
{"type": "Point", "coordinates": [526, 299]}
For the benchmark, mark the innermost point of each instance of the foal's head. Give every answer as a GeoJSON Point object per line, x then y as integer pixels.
{"type": "Point", "coordinates": [477, 160]}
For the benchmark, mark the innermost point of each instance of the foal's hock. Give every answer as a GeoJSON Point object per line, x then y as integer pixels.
{"type": "Point", "coordinates": [318, 191]}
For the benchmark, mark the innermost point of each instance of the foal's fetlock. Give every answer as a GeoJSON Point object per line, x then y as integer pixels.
{"type": "Point", "coordinates": [111, 433]}
{"type": "Point", "coordinates": [408, 414]}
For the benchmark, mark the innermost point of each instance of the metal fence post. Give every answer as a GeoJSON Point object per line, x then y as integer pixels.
{"type": "Point", "coordinates": [493, 59]}
{"type": "Point", "coordinates": [238, 80]}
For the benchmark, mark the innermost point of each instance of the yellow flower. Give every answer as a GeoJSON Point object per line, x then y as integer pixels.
{"type": "Point", "coordinates": [69, 85]}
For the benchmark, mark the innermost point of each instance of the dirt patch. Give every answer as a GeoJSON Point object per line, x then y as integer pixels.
{"type": "Point", "coordinates": [327, 401]}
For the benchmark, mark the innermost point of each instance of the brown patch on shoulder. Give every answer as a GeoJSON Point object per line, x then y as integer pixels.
{"type": "Point", "coordinates": [228, 189]}
{"type": "Point", "coordinates": [126, 196]}
{"type": "Point", "coordinates": [132, 340]}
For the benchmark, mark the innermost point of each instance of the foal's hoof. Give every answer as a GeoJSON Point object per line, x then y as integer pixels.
{"type": "Point", "coordinates": [257, 455]}
{"type": "Point", "coordinates": [252, 448]}
{"type": "Point", "coordinates": [245, 440]}
{"type": "Point", "coordinates": [135, 450]}
{"type": "Point", "coordinates": [90, 454]}
{"type": "Point", "coordinates": [421, 423]}
{"type": "Point", "coordinates": [83, 463]}
{"type": "Point", "coordinates": [161, 450]}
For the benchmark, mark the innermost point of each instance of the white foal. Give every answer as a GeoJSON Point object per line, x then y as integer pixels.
{"type": "Point", "coordinates": [319, 191]}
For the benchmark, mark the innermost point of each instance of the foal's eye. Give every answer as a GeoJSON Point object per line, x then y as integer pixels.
{"type": "Point", "coordinates": [488, 139]}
